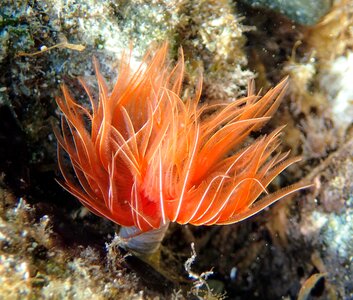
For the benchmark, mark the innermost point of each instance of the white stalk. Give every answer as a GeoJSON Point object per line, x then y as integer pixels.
{"type": "Point", "coordinates": [142, 242]}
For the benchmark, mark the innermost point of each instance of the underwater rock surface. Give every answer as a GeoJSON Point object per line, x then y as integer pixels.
{"type": "Point", "coordinates": [51, 247]}
{"type": "Point", "coordinates": [305, 12]}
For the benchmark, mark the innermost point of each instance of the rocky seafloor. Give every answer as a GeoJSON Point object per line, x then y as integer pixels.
{"type": "Point", "coordinates": [301, 248]}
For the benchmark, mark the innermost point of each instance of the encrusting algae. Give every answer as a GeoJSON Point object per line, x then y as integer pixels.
{"type": "Point", "coordinates": [143, 157]}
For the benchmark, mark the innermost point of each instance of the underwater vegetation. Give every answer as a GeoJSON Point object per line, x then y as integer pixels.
{"type": "Point", "coordinates": [143, 157]}
{"type": "Point", "coordinates": [51, 247]}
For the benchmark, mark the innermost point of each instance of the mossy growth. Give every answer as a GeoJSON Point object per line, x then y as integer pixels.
{"type": "Point", "coordinates": [33, 264]}
{"type": "Point", "coordinates": [211, 34]}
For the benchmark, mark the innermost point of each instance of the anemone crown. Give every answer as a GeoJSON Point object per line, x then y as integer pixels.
{"type": "Point", "coordinates": [147, 157]}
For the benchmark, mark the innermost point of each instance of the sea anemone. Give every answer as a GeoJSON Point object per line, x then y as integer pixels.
{"type": "Point", "coordinates": [143, 157]}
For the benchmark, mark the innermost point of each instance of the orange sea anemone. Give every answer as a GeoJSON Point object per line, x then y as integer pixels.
{"type": "Point", "coordinates": [142, 156]}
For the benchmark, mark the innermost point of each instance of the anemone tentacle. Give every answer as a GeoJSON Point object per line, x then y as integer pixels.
{"type": "Point", "coordinates": [147, 157]}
